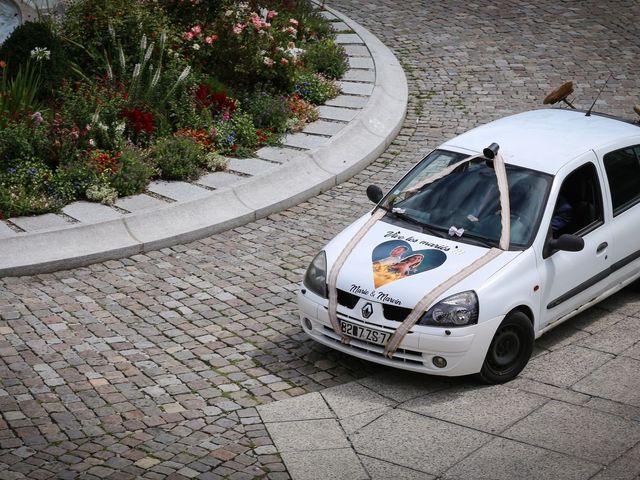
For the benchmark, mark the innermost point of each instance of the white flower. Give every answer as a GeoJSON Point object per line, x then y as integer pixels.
{"type": "Point", "coordinates": [120, 128]}
{"type": "Point", "coordinates": [92, 142]}
{"type": "Point", "coordinates": [184, 73]}
{"type": "Point", "coordinates": [136, 70]}
{"type": "Point", "coordinates": [195, 46]}
{"type": "Point", "coordinates": [102, 126]}
{"type": "Point", "coordinates": [40, 53]}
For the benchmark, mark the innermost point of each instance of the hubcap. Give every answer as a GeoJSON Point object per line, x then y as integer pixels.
{"type": "Point", "coordinates": [504, 349]}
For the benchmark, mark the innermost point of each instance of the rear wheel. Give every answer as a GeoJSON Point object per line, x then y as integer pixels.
{"type": "Point", "coordinates": [510, 349]}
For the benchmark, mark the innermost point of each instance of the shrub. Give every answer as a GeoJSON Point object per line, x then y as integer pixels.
{"type": "Point", "coordinates": [268, 111]}
{"type": "Point", "coordinates": [236, 136]}
{"type": "Point", "coordinates": [314, 88]}
{"type": "Point", "coordinates": [178, 158]}
{"type": "Point", "coordinates": [28, 189]}
{"type": "Point", "coordinates": [133, 173]}
{"type": "Point", "coordinates": [87, 24]}
{"type": "Point", "coordinates": [17, 50]}
{"type": "Point", "coordinates": [303, 112]}
{"type": "Point", "coordinates": [326, 57]}
{"type": "Point", "coordinates": [19, 94]}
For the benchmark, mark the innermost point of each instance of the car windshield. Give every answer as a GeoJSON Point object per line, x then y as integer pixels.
{"type": "Point", "coordinates": [468, 199]}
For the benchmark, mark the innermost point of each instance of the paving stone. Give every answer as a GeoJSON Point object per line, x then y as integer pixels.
{"type": "Point", "coordinates": [402, 385]}
{"type": "Point", "coordinates": [302, 140]}
{"type": "Point", "coordinates": [357, 50]}
{"type": "Point", "coordinates": [416, 442]}
{"type": "Point", "coordinates": [6, 231]}
{"type": "Point", "coordinates": [360, 75]}
{"type": "Point", "coordinates": [90, 212]}
{"type": "Point", "coordinates": [519, 460]}
{"type": "Point", "coordinates": [307, 435]}
{"type": "Point", "coordinates": [337, 113]}
{"type": "Point", "coordinates": [40, 222]}
{"type": "Point", "coordinates": [179, 191]}
{"type": "Point", "coordinates": [626, 467]}
{"type": "Point", "coordinates": [348, 38]}
{"type": "Point", "coordinates": [348, 101]}
{"type": "Point", "coordinates": [381, 470]}
{"type": "Point", "coordinates": [617, 380]}
{"type": "Point", "coordinates": [566, 366]}
{"type": "Point", "coordinates": [339, 27]}
{"type": "Point", "coordinates": [353, 399]}
{"type": "Point", "coordinates": [361, 62]}
{"type": "Point", "coordinates": [138, 203]}
{"type": "Point", "coordinates": [481, 408]}
{"type": "Point", "coordinates": [218, 180]}
{"type": "Point", "coordinates": [305, 407]}
{"type": "Point", "coordinates": [579, 431]}
{"type": "Point", "coordinates": [354, 88]}
{"type": "Point", "coordinates": [279, 154]}
{"type": "Point", "coordinates": [250, 166]}
{"type": "Point", "coordinates": [320, 127]}
{"type": "Point", "coordinates": [616, 338]}
{"type": "Point", "coordinates": [335, 464]}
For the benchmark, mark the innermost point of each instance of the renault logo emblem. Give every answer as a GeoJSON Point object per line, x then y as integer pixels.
{"type": "Point", "coordinates": [367, 310]}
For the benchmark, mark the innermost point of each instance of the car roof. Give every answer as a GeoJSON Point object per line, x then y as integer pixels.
{"type": "Point", "coordinates": [545, 139]}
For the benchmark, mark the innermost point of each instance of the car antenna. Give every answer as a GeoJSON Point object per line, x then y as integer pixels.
{"type": "Point", "coordinates": [588, 114]}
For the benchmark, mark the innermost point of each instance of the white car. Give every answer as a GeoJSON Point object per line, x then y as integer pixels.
{"type": "Point", "coordinates": [495, 237]}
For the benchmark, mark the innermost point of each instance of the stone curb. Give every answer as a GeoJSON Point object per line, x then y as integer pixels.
{"type": "Point", "coordinates": [305, 175]}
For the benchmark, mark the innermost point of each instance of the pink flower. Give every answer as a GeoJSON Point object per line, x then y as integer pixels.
{"type": "Point", "coordinates": [210, 39]}
{"type": "Point", "coordinates": [196, 29]}
{"type": "Point", "coordinates": [225, 116]}
{"type": "Point", "coordinates": [37, 118]}
{"type": "Point", "coordinates": [238, 28]}
{"type": "Point", "coordinates": [284, 61]}
{"type": "Point", "coordinates": [292, 31]}
{"type": "Point", "coordinates": [293, 22]}
{"type": "Point", "coordinates": [268, 61]}
{"type": "Point", "coordinates": [187, 36]}
{"type": "Point", "coordinates": [271, 14]}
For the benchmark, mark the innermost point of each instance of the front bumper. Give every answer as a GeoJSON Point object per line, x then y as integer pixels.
{"type": "Point", "coordinates": [464, 348]}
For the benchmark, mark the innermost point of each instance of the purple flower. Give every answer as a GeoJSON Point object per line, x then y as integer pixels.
{"type": "Point", "coordinates": [37, 118]}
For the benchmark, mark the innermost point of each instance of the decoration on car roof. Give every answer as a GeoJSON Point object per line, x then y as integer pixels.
{"type": "Point", "coordinates": [560, 94]}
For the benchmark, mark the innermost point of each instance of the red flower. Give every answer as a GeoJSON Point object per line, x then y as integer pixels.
{"type": "Point", "coordinates": [142, 121]}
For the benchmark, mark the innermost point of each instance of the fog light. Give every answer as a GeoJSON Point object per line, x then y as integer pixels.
{"type": "Point", "coordinates": [307, 324]}
{"type": "Point", "coordinates": [439, 362]}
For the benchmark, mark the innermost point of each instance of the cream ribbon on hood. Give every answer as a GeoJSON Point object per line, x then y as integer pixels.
{"type": "Point", "coordinates": [430, 297]}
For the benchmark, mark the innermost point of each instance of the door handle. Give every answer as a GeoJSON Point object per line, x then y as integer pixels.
{"type": "Point", "coordinates": [602, 247]}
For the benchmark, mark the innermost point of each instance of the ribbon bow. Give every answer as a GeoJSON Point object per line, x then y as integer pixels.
{"type": "Point", "coordinates": [455, 231]}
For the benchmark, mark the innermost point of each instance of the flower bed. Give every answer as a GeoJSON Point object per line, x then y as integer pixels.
{"type": "Point", "coordinates": [156, 89]}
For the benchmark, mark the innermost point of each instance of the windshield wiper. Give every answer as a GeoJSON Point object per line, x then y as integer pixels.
{"type": "Point", "coordinates": [480, 240]}
{"type": "Point", "coordinates": [407, 218]}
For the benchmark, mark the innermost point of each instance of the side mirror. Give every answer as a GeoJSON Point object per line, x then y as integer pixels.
{"type": "Point", "coordinates": [374, 193]}
{"type": "Point", "coordinates": [567, 243]}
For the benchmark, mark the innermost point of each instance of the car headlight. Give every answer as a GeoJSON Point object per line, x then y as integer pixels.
{"type": "Point", "coordinates": [316, 277]}
{"type": "Point", "coordinates": [458, 310]}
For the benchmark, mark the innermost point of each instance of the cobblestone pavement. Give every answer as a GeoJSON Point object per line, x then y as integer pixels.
{"type": "Point", "coordinates": [152, 366]}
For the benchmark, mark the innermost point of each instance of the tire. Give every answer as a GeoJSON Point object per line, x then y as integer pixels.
{"type": "Point", "coordinates": [510, 349]}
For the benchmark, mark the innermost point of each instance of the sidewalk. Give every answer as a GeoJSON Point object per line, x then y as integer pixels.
{"type": "Point", "coordinates": [352, 131]}
{"type": "Point", "coordinates": [574, 413]}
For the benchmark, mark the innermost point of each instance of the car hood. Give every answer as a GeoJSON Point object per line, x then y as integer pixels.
{"type": "Point", "coordinates": [398, 266]}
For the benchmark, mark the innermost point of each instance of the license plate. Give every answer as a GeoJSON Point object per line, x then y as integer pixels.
{"type": "Point", "coordinates": [363, 333]}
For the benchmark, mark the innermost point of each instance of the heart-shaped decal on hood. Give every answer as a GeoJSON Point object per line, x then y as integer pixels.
{"type": "Point", "coordinates": [395, 260]}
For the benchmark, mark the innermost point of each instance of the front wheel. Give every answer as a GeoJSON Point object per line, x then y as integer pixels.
{"type": "Point", "coordinates": [510, 349]}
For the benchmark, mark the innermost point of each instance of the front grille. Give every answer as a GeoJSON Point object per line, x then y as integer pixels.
{"type": "Point", "coordinates": [393, 312]}
{"type": "Point", "coordinates": [401, 355]}
{"type": "Point", "coordinates": [347, 299]}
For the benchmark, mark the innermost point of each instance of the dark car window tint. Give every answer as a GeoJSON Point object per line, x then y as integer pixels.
{"type": "Point", "coordinates": [578, 209]}
{"type": "Point", "coordinates": [623, 174]}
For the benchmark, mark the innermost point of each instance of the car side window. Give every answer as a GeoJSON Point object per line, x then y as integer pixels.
{"type": "Point", "coordinates": [623, 175]}
{"type": "Point", "coordinates": [578, 209]}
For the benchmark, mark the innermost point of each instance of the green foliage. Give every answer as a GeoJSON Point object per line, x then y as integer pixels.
{"type": "Point", "coordinates": [87, 24]}
{"type": "Point", "coordinates": [268, 111]}
{"type": "Point", "coordinates": [29, 188]}
{"type": "Point", "coordinates": [236, 136]}
{"type": "Point", "coordinates": [186, 13]}
{"type": "Point", "coordinates": [19, 141]}
{"type": "Point", "coordinates": [178, 158]}
{"type": "Point", "coordinates": [326, 57]}
{"type": "Point", "coordinates": [314, 88]}
{"type": "Point", "coordinates": [133, 174]}
{"type": "Point", "coordinates": [17, 50]}
{"type": "Point", "coordinates": [19, 93]}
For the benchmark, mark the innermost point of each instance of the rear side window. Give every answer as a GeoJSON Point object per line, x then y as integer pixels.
{"type": "Point", "coordinates": [623, 174]}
